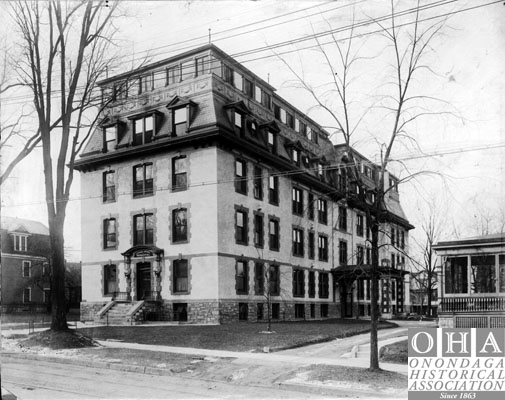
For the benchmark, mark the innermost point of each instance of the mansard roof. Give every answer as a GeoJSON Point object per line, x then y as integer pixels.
{"type": "Point", "coordinates": [20, 225]}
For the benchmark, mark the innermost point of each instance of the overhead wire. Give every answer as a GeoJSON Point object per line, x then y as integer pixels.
{"type": "Point", "coordinates": [284, 173]}
{"type": "Point", "coordinates": [310, 37]}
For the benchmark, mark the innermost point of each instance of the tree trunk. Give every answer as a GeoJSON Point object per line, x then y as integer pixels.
{"type": "Point", "coordinates": [428, 289]}
{"type": "Point", "coordinates": [374, 315]}
{"type": "Point", "coordinates": [58, 300]}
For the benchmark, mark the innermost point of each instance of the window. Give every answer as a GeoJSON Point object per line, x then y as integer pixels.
{"type": "Point", "coordinates": [322, 248]}
{"type": "Point", "coordinates": [501, 272]}
{"type": "Point", "coordinates": [241, 277]}
{"type": "Point", "coordinates": [310, 206]}
{"type": "Point", "coordinates": [258, 183]}
{"type": "Point", "coordinates": [243, 311]}
{"type": "Point", "coordinates": [240, 176]}
{"type": "Point", "coordinates": [109, 186]}
{"type": "Point", "coordinates": [297, 125]}
{"type": "Point", "coordinates": [360, 254]}
{"type": "Point", "coordinates": [266, 99]}
{"type": "Point", "coordinates": [393, 264]}
{"type": "Point", "coordinates": [20, 242]}
{"type": "Point", "coordinates": [312, 284]}
{"type": "Point", "coordinates": [322, 211]}
{"type": "Point", "coordinates": [258, 230]}
{"type": "Point", "coordinates": [180, 311]}
{"type": "Point", "coordinates": [393, 236]}
{"type": "Point", "coordinates": [456, 275]}
{"type": "Point", "coordinates": [290, 120]}
{"type": "Point", "coordinates": [143, 130]}
{"type": "Point", "coordinates": [320, 171]}
{"type": "Point", "coordinates": [283, 115]}
{"type": "Point", "coordinates": [239, 123]}
{"type": "Point", "coordinates": [109, 233]}
{"type": "Point", "coordinates": [227, 74]}
{"type": "Point", "coordinates": [248, 87]}
{"type": "Point", "coordinates": [298, 242]}
{"type": "Point", "coordinates": [180, 276]}
{"type": "Point", "coordinates": [324, 311]}
{"type": "Point", "coordinates": [272, 142]}
{"type": "Point", "coordinates": [257, 94]}
{"type": "Point", "coordinates": [143, 180]}
{"type": "Point", "coordinates": [276, 310]}
{"type": "Point", "coordinates": [342, 218]}
{"type": "Point", "coordinates": [277, 111]}
{"type": "Point", "coordinates": [47, 296]}
{"type": "Point", "coordinates": [110, 284]}
{"type": "Point", "coordinates": [402, 240]}
{"type": "Point", "coordinates": [359, 225]}
{"type": "Point", "coordinates": [143, 229]}
{"type": "Point", "coordinates": [259, 311]}
{"type": "Point", "coordinates": [309, 133]}
{"type": "Point", "coordinates": [312, 311]}
{"type": "Point", "coordinates": [179, 173]}
{"type": "Point", "coordinates": [158, 79]}
{"type": "Point", "coordinates": [483, 274]}
{"type": "Point", "coordinates": [361, 289]}
{"type": "Point", "coordinates": [187, 70]}
{"type": "Point", "coordinates": [273, 190]}
{"type": "Point", "coordinates": [145, 83]}
{"type": "Point", "coordinates": [299, 310]}
{"type": "Point", "coordinates": [342, 252]}
{"type": "Point", "coordinates": [298, 283]}
{"type": "Point", "coordinates": [368, 255]}
{"type": "Point", "coordinates": [109, 138]}
{"type": "Point", "coordinates": [259, 279]}
{"type": "Point", "coordinates": [27, 269]}
{"type": "Point", "coordinates": [241, 227]}
{"type": "Point", "coordinates": [180, 121]}
{"type": "Point", "coordinates": [312, 240]}
{"type": "Point", "coordinates": [297, 201]}
{"type": "Point", "coordinates": [273, 235]}
{"type": "Point", "coordinates": [295, 155]}
{"type": "Point", "coordinates": [238, 80]}
{"type": "Point", "coordinates": [173, 75]}
{"type": "Point", "coordinates": [27, 295]}
{"type": "Point", "coordinates": [179, 225]}
{"type": "Point", "coordinates": [324, 285]}
{"type": "Point", "coordinates": [342, 179]}
{"type": "Point", "coordinates": [274, 279]}
{"type": "Point", "coordinates": [202, 65]}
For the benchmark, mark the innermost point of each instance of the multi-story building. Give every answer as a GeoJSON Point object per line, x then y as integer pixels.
{"type": "Point", "coordinates": [205, 196]}
{"type": "Point", "coordinates": [25, 269]}
{"type": "Point", "coordinates": [471, 282]}
{"type": "Point", "coordinates": [419, 294]}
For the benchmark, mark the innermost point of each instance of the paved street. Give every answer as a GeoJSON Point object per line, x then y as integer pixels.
{"type": "Point", "coordinates": [48, 380]}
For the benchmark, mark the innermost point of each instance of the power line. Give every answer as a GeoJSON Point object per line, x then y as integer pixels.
{"type": "Point", "coordinates": [326, 33]}
{"type": "Point", "coordinates": [285, 173]}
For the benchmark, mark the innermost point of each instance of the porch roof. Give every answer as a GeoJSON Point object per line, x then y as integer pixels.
{"type": "Point", "coordinates": [365, 271]}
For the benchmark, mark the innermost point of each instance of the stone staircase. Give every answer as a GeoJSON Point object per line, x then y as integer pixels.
{"type": "Point", "coordinates": [117, 313]}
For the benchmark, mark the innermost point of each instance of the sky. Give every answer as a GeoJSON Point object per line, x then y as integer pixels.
{"type": "Point", "coordinates": [460, 144]}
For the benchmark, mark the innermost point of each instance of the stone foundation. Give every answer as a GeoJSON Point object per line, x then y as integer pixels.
{"type": "Point", "coordinates": [89, 310]}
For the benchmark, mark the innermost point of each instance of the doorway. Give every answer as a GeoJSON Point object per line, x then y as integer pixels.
{"type": "Point", "coordinates": [143, 280]}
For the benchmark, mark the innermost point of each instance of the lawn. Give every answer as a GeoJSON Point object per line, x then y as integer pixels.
{"type": "Point", "coordinates": [235, 337]}
{"type": "Point", "coordinates": [395, 353]}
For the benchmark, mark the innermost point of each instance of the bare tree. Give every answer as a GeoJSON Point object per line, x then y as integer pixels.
{"type": "Point", "coordinates": [397, 110]}
{"type": "Point", "coordinates": [63, 54]}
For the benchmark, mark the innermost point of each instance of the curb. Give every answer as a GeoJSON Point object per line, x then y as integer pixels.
{"type": "Point", "coordinates": [92, 364]}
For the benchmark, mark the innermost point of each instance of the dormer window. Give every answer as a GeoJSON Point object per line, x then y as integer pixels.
{"type": "Point", "coordinates": [20, 242]}
{"type": "Point", "coordinates": [296, 156]}
{"type": "Point", "coordinates": [253, 127]}
{"type": "Point", "coordinates": [143, 130]}
{"type": "Point", "coordinates": [109, 138]}
{"type": "Point", "coordinates": [272, 141]}
{"type": "Point", "coordinates": [290, 120]}
{"type": "Point", "coordinates": [145, 83]}
{"type": "Point", "coordinates": [180, 119]}
{"type": "Point", "coordinates": [238, 123]}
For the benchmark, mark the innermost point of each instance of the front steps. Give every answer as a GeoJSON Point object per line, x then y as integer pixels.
{"type": "Point", "coordinates": [122, 314]}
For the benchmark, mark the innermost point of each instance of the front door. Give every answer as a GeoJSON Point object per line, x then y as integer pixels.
{"type": "Point", "coordinates": [143, 280]}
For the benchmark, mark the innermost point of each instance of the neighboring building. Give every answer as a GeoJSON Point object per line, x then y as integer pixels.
{"type": "Point", "coordinates": [419, 294]}
{"type": "Point", "coordinates": [73, 285]}
{"type": "Point", "coordinates": [202, 189]}
{"type": "Point", "coordinates": [472, 282]}
{"type": "Point", "coordinates": [23, 274]}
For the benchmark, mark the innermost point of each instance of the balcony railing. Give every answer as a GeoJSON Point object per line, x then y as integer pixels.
{"type": "Point", "coordinates": [122, 296]}
{"type": "Point", "coordinates": [472, 304]}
